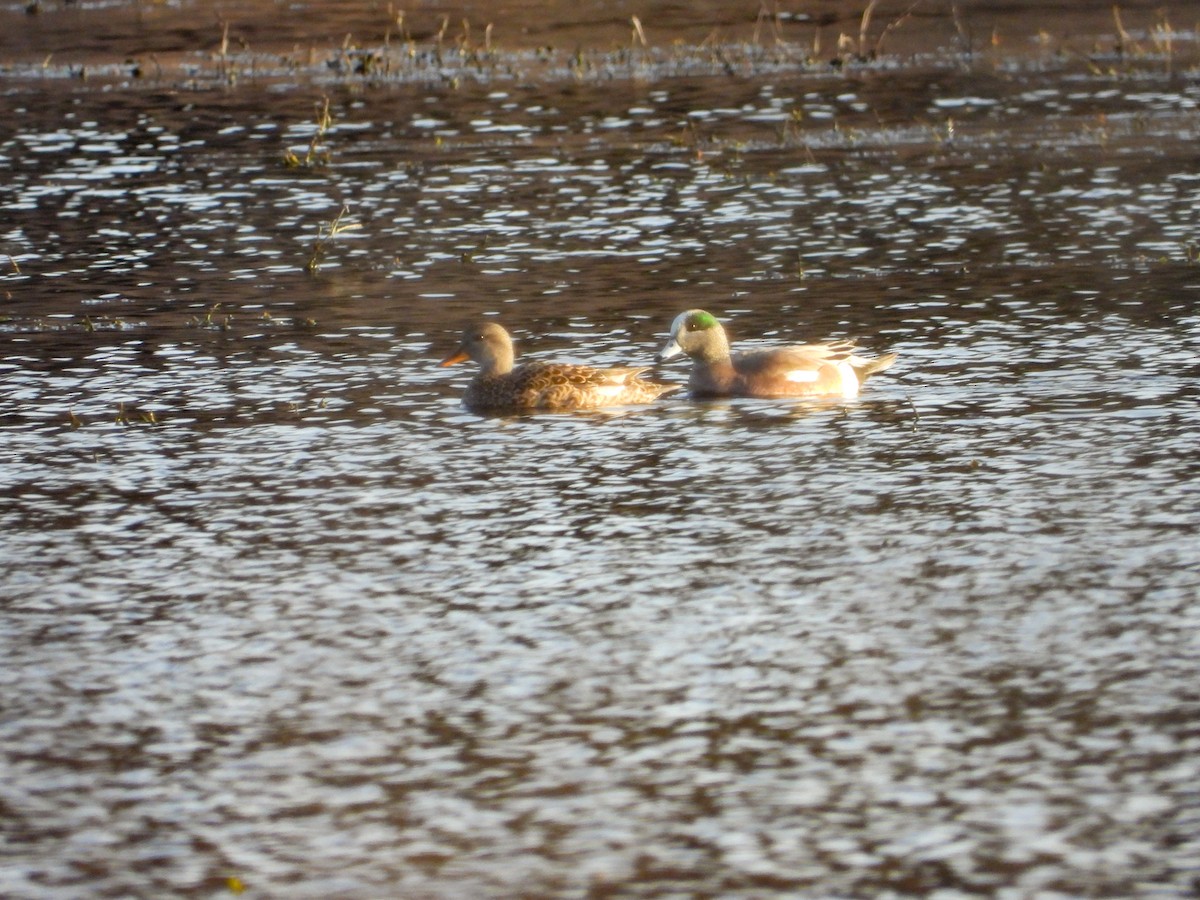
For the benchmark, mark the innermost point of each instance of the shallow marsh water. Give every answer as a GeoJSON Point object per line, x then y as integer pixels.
{"type": "Point", "coordinates": [276, 609]}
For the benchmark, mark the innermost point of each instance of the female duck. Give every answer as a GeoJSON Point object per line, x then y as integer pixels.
{"type": "Point", "coordinates": [801, 370]}
{"type": "Point", "coordinates": [542, 385]}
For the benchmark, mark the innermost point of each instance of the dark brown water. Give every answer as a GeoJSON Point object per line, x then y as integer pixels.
{"type": "Point", "coordinates": [274, 608]}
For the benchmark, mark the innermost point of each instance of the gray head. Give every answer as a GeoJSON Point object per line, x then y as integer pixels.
{"type": "Point", "coordinates": [489, 345]}
{"type": "Point", "coordinates": [697, 334]}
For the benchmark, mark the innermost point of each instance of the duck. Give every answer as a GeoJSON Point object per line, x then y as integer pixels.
{"type": "Point", "coordinates": [829, 369]}
{"type": "Point", "coordinates": [538, 385]}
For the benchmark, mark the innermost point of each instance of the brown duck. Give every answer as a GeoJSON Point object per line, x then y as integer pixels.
{"type": "Point", "coordinates": [542, 385]}
{"type": "Point", "coordinates": [802, 370]}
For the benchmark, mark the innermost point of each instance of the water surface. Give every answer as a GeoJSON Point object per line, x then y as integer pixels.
{"type": "Point", "coordinates": [277, 609]}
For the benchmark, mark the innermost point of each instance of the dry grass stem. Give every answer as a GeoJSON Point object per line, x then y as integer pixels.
{"type": "Point", "coordinates": [1123, 38]}
{"type": "Point", "coordinates": [864, 26]}
{"type": "Point", "coordinates": [892, 26]}
{"type": "Point", "coordinates": [326, 233]}
{"type": "Point", "coordinates": [639, 36]}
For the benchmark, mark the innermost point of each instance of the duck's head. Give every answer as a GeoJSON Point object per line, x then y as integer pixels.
{"type": "Point", "coordinates": [697, 334]}
{"type": "Point", "coordinates": [488, 344]}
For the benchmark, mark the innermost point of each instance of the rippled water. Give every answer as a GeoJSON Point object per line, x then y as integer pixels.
{"type": "Point", "coordinates": [276, 609]}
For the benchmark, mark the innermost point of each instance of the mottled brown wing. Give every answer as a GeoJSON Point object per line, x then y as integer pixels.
{"type": "Point", "coordinates": [566, 386]}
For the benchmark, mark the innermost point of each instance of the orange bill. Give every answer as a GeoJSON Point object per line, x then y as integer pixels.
{"type": "Point", "coordinates": [459, 355]}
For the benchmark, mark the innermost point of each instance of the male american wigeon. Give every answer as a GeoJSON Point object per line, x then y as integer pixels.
{"type": "Point", "coordinates": [800, 370]}
{"type": "Point", "coordinates": [542, 385]}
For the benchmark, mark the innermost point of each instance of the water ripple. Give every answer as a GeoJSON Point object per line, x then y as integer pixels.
{"type": "Point", "coordinates": [277, 607]}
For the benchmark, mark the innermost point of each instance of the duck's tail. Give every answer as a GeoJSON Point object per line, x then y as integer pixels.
{"type": "Point", "coordinates": [636, 388]}
{"type": "Point", "coordinates": [865, 368]}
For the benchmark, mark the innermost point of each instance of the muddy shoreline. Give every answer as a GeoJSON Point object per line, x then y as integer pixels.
{"type": "Point", "coordinates": [130, 41]}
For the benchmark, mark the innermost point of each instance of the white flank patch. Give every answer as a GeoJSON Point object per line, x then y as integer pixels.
{"type": "Point", "coordinates": [802, 376]}
{"type": "Point", "coordinates": [849, 379]}
{"type": "Point", "coordinates": [609, 390]}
